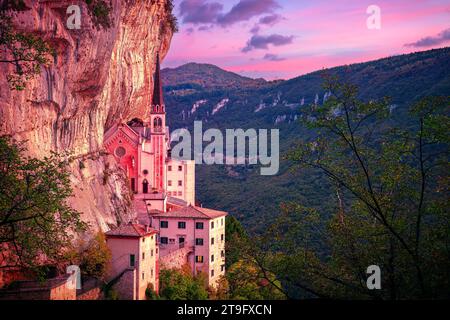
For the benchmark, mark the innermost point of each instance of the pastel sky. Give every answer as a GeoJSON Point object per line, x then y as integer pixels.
{"type": "Point", "coordinates": [277, 39]}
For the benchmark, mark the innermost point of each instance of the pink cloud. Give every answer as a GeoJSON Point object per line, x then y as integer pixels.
{"type": "Point", "coordinates": [326, 34]}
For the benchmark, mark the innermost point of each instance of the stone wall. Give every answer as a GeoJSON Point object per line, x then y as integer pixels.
{"type": "Point", "coordinates": [126, 285]}
{"type": "Point", "coordinates": [92, 294]}
{"type": "Point", "coordinates": [175, 259]}
{"type": "Point", "coordinates": [52, 289]}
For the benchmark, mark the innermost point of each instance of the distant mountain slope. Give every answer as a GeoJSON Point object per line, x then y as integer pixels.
{"type": "Point", "coordinates": [404, 77]}
{"type": "Point", "coordinates": [207, 76]}
{"type": "Point", "coordinates": [253, 198]}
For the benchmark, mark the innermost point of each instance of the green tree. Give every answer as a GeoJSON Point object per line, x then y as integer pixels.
{"type": "Point", "coordinates": [234, 233]}
{"type": "Point", "coordinates": [247, 282]}
{"type": "Point", "coordinates": [391, 195]}
{"type": "Point", "coordinates": [26, 52]}
{"type": "Point", "coordinates": [36, 222]}
{"type": "Point", "coordinates": [93, 258]}
{"type": "Point", "coordinates": [181, 285]}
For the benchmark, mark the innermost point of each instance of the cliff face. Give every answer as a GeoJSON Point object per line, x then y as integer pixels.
{"type": "Point", "coordinates": [98, 77]}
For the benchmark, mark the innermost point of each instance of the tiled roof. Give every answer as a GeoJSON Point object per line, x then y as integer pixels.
{"type": "Point", "coordinates": [177, 201]}
{"type": "Point", "coordinates": [131, 230]}
{"type": "Point", "coordinates": [191, 212]}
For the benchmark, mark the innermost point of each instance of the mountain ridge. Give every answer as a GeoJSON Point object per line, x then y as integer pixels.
{"type": "Point", "coordinates": [240, 189]}
{"type": "Point", "coordinates": [207, 76]}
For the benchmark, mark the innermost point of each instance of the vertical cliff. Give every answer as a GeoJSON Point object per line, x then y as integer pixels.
{"type": "Point", "coordinates": [98, 77]}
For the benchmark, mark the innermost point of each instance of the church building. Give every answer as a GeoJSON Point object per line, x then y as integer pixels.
{"type": "Point", "coordinates": [164, 193]}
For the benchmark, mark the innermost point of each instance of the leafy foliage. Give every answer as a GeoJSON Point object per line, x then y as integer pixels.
{"type": "Point", "coordinates": [150, 293]}
{"type": "Point", "coordinates": [234, 233]}
{"type": "Point", "coordinates": [391, 193]}
{"type": "Point", "coordinates": [171, 18]}
{"type": "Point", "coordinates": [181, 285]}
{"type": "Point", "coordinates": [247, 282]}
{"type": "Point", "coordinates": [26, 52]}
{"type": "Point", "coordinates": [93, 258]}
{"type": "Point", "coordinates": [99, 11]}
{"type": "Point", "coordinates": [35, 219]}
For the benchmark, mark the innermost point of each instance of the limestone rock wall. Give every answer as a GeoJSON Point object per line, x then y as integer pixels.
{"type": "Point", "coordinates": [97, 78]}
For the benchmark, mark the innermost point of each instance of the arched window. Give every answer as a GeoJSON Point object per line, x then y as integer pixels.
{"type": "Point", "coordinates": [145, 186]}
{"type": "Point", "coordinates": [157, 123]}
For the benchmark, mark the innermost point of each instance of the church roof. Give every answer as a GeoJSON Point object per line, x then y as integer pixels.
{"type": "Point", "coordinates": [157, 98]}
{"type": "Point", "coordinates": [191, 212]}
{"type": "Point", "coordinates": [131, 230]}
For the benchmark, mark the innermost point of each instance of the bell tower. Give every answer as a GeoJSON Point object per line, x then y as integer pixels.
{"type": "Point", "coordinates": [157, 108]}
{"type": "Point", "coordinates": [158, 129]}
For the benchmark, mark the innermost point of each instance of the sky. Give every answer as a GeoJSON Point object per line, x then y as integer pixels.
{"type": "Point", "coordinates": [282, 39]}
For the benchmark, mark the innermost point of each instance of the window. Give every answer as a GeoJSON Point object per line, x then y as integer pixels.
{"type": "Point", "coordinates": [212, 241]}
{"type": "Point", "coordinates": [222, 268]}
{"type": "Point", "coordinates": [212, 224]}
{"type": "Point", "coordinates": [199, 241]}
{"type": "Point", "coordinates": [143, 255]}
{"type": "Point", "coordinates": [180, 183]}
{"type": "Point", "coordinates": [132, 260]}
{"type": "Point", "coordinates": [169, 183]}
{"type": "Point", "coordinates": [222, 254]}
{"type": "Point", "coordinates": [133, 184]}
{"type": "Point", "coordinates": [180, 168]}
{"type": "Point", "coordinates": [212, 258]}
{"type": "Point", "coordinates": [169, 168]}
{"type": "Point", "coordinates": [222, 237]}
{"type": "Point", "coordinates": [164, 224]}
{"type": "Point", "coordinates": [145, 186]}
{"type": "Point", "coordinates": [181, 225]}
{"type": "Point", "coordinates": [143, 275]}
{"type": "Point", "coordinates": [151, 253]}
{"type": "Point", "coordinates": [145, 171]}
{"type": "Point", "coordinates": [221, 222]}
{"type": "Point", "coordinates": [157, 123]}
{"type": "Point", "coordinates": [120, 152]}
{"type": "Point", "coordinates": [169, 193]}
{"type": "Point", "coordinates": [143, 240]}
{"type": "Point", "coordinates": [199, 259]}
{"type": "Point", "coordinates": [180, 193]}
{"type": "Point", "coordinates": [164, 240]}
{"type": "Point", "coordinates": [199, 225]}
{"type": "Point", "coordinates": [151, 271]}
{"type": "Point", "coordinates": [212, 273]}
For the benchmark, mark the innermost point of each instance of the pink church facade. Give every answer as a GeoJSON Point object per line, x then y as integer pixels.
{"type": "Point", "coordinates": [164, 194]}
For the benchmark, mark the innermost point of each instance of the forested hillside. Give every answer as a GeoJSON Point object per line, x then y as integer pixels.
{"type": "Point", "coordinates": [225, 100]}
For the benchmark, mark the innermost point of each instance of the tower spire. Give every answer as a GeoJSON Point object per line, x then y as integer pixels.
{"type": "Point", "coordinates": [157, 99]}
